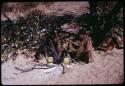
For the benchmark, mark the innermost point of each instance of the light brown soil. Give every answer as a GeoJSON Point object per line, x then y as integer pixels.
{"type": "Point", "coordinates": [57, 8]}
{"type": "Point", "coordinates": [107, 68]}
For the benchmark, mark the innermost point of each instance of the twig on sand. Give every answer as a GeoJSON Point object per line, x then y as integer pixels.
{"type": "Point", "coordinates": [43, 66]}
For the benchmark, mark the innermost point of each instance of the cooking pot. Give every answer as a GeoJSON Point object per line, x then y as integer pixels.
{"type": "Point", "coordinates": [66, 60]}
{"type": "Point", "coordinates": [50, 60]}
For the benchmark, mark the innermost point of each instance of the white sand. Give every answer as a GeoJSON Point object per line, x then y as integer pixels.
{"type": "Point", "coordinates": [106, 69]}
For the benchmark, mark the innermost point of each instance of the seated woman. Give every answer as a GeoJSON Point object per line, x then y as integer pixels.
{"type": "Point", "coordinates": [84, 52]}
{"type": "Point", "coordinates": [58, 49]}
{"type": "Point", "coordinates": [72, 50]}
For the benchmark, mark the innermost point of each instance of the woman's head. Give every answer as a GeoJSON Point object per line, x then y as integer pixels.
{"type": "Point", "coordinates": [83, 35]}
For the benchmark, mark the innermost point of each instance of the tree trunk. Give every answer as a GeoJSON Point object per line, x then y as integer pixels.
{"type": "Point", "coordinates": [98, 34]}
{"type": "Point", "coordinates": [110, 18]}
{"type": "Point", "coordinates": [95, 22]}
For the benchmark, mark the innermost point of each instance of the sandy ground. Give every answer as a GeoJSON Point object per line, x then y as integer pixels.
{"type": "Point", "coordinates": [57, 8]}
{"type": "Point", "coordinates": [107, 68]}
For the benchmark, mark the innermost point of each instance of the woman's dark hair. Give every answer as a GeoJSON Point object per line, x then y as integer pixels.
{"type": "Point", "coordinates": [82, 32]}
